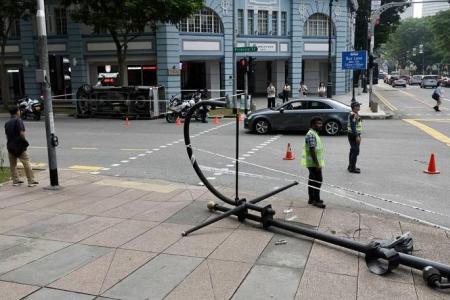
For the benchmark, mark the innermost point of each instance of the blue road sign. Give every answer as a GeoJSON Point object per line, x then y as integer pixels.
{"type": "Point", "coordinates": [354, 60]}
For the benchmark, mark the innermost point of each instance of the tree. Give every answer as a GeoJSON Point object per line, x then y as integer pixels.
{"type": "Point", "coordinates": [440, 23]}
{"type": "Point", "coordinates": [410, 34]}
{"type": "Point", "coordinates": [10, 12]}
{"type": "Point", "coordinates": [126, 20]}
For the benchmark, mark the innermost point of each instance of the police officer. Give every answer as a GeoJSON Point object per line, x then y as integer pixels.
{"type": "Point", "coordinates": [354, 129]}
{"type": "Point", "coordinates": [312, 158]}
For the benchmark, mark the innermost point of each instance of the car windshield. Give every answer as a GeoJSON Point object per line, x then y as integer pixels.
{"type": "Point", "coordinates": [430, 77]}
{"type": "Point", "coordinates": [417, 77]}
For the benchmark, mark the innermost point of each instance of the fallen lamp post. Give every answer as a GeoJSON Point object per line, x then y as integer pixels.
{"type": "Point", "coordinates": [381, 256]}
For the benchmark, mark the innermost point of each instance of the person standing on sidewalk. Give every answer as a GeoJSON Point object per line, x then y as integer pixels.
{"type": "Point", "coordinates": [303, 90]}
{"type": "Point", "coordinates": [438, 94]}
{"type": "Point", "coordinates": [312, 158]}
{"type": "Point", "coordinates": [286, 91]}
{"type": "Point", "coordinates": [322, 90]}
{"type": "Point", "coordinates": [354, 129]}
{"type": "Point", "coordinates": [17, 147]}
{"type": "Point", "coordinates": [271, 92]}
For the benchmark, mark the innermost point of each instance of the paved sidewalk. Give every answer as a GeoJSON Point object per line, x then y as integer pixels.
{"type": "Point", "coordinates": [108, 238]}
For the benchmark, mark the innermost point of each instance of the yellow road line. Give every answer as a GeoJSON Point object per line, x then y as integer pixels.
{"type": "Point", "coordinates": [430, 131]}
{"type": "Point", "coordinates": [434, 120]}
{"type": "Point", "coordinates": [83, 148]}
{"type": "Point", "coordinates": [385, 101]}
{"type": "Point", "coordinates": [85, 168]}
{"type": "Point", "coordinates": [133, 149]}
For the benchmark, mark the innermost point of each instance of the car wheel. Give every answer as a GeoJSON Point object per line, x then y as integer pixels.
{"type": "Point", "coordinates": [332, 127]}
{"type": "Point", "coordinates": [262, 126]}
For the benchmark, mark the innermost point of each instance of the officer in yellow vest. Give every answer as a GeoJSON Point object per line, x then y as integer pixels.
{"type": "Point", "coordinates": [312, 158]}
{"type": "Point", "coordinates": [354, 129]}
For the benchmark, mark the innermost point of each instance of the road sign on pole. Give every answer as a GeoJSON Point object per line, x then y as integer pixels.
{"type": "Point", "coordinates": [354, 60]}
{"type": "Point", "coordinates": [245, 49]}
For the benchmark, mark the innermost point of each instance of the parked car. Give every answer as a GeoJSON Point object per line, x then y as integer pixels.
{"type": "Point", "coordinates": [398, 82]}
{"type": "Point", "coordinates": [295, 115]}
{"type": "Point", "coordinates": [415, 79]}
{"type": "Point", "coordinates": [429, 81]}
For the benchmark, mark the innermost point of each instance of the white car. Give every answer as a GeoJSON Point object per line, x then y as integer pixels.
{"type": "Point", "coordinates": [399, 82]}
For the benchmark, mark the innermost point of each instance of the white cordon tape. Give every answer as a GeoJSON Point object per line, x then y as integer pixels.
{"type": "Point", "coordinates": [348, 190]}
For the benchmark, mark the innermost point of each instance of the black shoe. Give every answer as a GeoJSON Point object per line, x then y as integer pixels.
{"type": "Point", "coordinates": [311, 201]}
{"type": "Point", "coordinates": [318, 204]}
{"type": "Point", "coordinates": [204, 121]}
{"type": "Point", "coordinates": [354, 170]}
{"type": "Point", "coordinates": [436, 108]}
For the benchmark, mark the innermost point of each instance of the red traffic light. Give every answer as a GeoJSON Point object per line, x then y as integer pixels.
{"type": "Point", "coordinates": [243, 62]}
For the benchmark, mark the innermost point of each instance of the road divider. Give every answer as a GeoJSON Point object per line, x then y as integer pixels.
{"type": "Point", "coordinates": [385, 101]}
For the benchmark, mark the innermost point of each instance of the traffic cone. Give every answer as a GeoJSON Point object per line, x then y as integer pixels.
{"type": "Point", "coordinates": [127, 124]}
{"type": "Point", "coordinates": [216, 120]}
{"type": "Point", "coordinates": [432, 166]}
{"type": "Point", "coordinates": [289, 154]}
{"type": "Point", "coordinates": [178, 122]}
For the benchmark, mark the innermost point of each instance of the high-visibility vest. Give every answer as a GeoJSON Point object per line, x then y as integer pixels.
{"type": "Point", "coordinates": [307, 160]}
{"type": "Point", "coordinates": [358, 124]}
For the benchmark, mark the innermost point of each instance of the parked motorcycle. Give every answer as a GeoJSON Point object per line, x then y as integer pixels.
{"type": "Point", "coordinates": [30, 107]}
{"type": "Point", "coordinates": [178, 107]}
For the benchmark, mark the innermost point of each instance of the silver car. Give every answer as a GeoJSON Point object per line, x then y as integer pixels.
{"type": "Point", "coordinates": [429, 81]}
{"type": "Point", "coordinates": [295, 115]}
{"type": "Point", "coordinates": [415, 79]}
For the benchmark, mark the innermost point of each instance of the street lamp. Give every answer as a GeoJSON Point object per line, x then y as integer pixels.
{"type": "Point", "coordinates": [329, 84]}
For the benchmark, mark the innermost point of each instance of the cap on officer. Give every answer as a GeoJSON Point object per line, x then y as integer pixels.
{"type": "Point", "coordinates": [355, 104]}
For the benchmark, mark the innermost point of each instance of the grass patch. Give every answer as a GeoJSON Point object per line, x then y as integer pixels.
{"type": "Point", "coordinates": [5, 174]}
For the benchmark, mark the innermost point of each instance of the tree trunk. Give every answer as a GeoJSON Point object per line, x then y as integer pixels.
{"type": "Point", "coordinates": [4, 77]}
{"type": "Point", "coordinates": [121, 52]}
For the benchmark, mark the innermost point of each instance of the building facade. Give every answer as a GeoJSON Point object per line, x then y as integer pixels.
{"type": "Point", "coordinates": [291, 36]}
{"type": "Point", "coordinates": [430, 9]}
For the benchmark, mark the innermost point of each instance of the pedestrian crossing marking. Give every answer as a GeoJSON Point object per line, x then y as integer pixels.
{"type": "Point", "coordinates": [430, 131]}
{"type": "Point", "coordinates": [85, 168]}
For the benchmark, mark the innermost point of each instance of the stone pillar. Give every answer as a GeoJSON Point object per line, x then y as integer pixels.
{"type": "Point", "coordinates": [295, 63]}
{"type": "Point", "coordinates": [340, 46]}
{"type": "Point", "coordinates": [278, 75]}
{"type": "Point", "coordinates": [213, 78]}
{"type": "Point", "coordinates": [29, 50]}
{"type": "Point", "coordinates": [228, 46]}
{"type": "Point", "coordinates": [168, 59]}
{"type": "Point", "coordinates": [75, 47]}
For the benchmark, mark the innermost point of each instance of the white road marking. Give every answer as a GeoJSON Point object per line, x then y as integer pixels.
{"type": "Point", "coordinates": [94, 173]}
{"type": "Point", "coordinates": [115, 165]}
{"type": "Point", "coordinates": [211, 178]}
{"type": "Point", "coordinates": [162, 146]}
{"type": "Point", "coordinates": [132, 158]}
{"type": "Point", "coordinates": [230, 166]}
{"type": "Point", "coordinates": [106, 169]}
{"type": "Point", "coordinates": [142, 154]}
{"type": "Point", "coordinates": [155, 149]}
{"type": "Point", "coordinates": [124, 161]}
{"type": "Point", "coordinates": [149, 152]}
{"type": "Point", "coordinates": [251, 152]}
{"type": "Point", "coordinates": [246, 155]}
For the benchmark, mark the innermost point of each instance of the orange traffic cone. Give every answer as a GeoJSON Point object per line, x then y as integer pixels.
{"type": "Point", "coordinates": [178, 122]}
{"type": "Point", "coordinates": [126, 121]}
{"type": "Point", "coordinates": [432, 166]}
{"type": "Point", "coordinates": [216, 120]}
{"type": "Point", "coordinates": [289, 154]}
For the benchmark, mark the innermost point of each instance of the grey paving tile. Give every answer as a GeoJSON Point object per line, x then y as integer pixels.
{"type": "Point", "coordinates": [7, 213]}
{"type": "Point", "coordinates": [28, 251]}
{"type": "Point", "coordinates": [293, 254]}
{"type": "Point", "coordinates": [51, 294]}
{"type": "Point", "coordinates": [11, 241]}
{"type": "Point", "coordinates": [192, 214]}
{"type": "Point", "coordinates": [23, 220]}
{"type": "Point", "coordinates": [155, 279]}
{"type": "Point", "coordinates": [269, 282]}
{"type": "Point", "coordinates": [161, 211]}
{"type": "Point", "coordinates": [14, 291]}
{"type": "Point", "coordinates": [325, 286]}
{"type": "Point", "coordinates": [47, 269]}
{"type": "Point", "coordinates": [39, 228]}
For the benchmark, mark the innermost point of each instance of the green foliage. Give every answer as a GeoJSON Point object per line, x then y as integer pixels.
{"type": "Point", "coordinates": [126, 19]}
{"type": "Point", "coordinates": [440, 25]}
{"type": "Point", "coordinates": [429, 31]}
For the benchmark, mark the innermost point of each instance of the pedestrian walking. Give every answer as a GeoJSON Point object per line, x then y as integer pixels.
{"type": "Point", "coordinates": [303, 89]}
{"type": "Point", "coordinates": [271, 92]}
{"type": "Point", "coordinates": [437, 95]}
{"type": "Point", "coordinates": [322, 90]}
{"type": "Point", "coordinates": [312, 158]}
{"type": "Point", "coordinates": [17, 147]}
{"type": "Point", "coordinates": [286, 91]}
{"type": "Point", "coordinates": [354, 129]}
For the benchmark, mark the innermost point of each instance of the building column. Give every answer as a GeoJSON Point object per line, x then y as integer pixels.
{"type": "Point", "coordinates": [228, 46]}
{"type": "Point", "coordinates": [278, 73]}
{"type": "Point", "coordinates": [295, 63]}
{"type": "Point", "coordinates": [28, 47]}
{"type": "Point", "coordinates": [168, 59]}
{"type": "Point", "coordinates": [75, 45]}
{"type": "Point", "coordinates": [213, 78]}
{"type": "Point", "coordinates": [340, 46]}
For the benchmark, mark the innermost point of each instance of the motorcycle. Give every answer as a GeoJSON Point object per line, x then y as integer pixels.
{"type": "Point", "coordinates": [28, 106]}
{"type": "Point", "coordinates": [178, 107]}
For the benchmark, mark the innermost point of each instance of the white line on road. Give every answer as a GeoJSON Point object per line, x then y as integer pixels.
{"type": "Point", "coordinates": [115, 165]}
{"type": "Point", "coordinates": [124, 161]}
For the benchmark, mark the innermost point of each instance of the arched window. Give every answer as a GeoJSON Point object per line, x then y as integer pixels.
{"type": "Point", "coordinates": [204, 20]}
{"type": "Point", "coordinates": [317, 25]}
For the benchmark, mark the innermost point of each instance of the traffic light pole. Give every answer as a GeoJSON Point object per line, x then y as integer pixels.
{"type": "Point", "coordinates": [44, 74]}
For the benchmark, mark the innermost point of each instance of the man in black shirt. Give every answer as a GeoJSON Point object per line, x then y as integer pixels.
{"type": "Point", "coordinates": [17, 147]}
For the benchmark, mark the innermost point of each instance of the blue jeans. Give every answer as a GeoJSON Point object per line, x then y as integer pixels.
{"type": "Point", "coordinates": [354, 151]}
